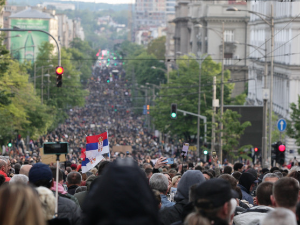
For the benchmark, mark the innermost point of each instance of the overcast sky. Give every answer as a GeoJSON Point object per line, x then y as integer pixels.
{"type": "Point", "coordinates": [107, 1]}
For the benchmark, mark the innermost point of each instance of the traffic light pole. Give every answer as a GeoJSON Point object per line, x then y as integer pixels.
{"type": "Point", "coordinates": [199, 116]}
{"type": "Point", "coordinates": [19, 29]}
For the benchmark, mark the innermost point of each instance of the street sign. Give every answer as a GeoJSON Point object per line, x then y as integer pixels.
{"type": "Point", "coordinates": [281, 125]}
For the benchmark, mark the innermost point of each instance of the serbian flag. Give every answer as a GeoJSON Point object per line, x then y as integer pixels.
{"type": "Point", "coordinates": [96, 145]}
{"type": "Point", "coordinates": [88, 163]}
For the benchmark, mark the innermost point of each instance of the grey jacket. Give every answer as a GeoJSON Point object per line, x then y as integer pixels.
{"type": "Point", "coordinates": [252, 217]}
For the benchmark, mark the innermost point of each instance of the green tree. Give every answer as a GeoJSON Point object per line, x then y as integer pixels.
{"type": "Point", "coordinates": [232, 132]}
{"type": "Point", "coordinates": [183, 90]}
{"type": "Point", "coordinates": [293, 125]}
{"type": "Point", "coordinates": [157, 47]}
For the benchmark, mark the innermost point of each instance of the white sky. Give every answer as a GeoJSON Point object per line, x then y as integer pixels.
{"type": "Point", "coordinates": [106, 1]}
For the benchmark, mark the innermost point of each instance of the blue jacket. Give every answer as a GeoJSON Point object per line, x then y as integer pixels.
{"type": "Point", "coordinates": [165, 202]}
{"type": "Point", "coordinates": [246, 195]}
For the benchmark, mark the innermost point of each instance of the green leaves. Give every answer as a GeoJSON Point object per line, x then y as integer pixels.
{"type": "Point", "coordinates": [293, 125]}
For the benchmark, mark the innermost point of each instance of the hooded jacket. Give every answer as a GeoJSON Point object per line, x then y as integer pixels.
{"type": "Point", "coordinates": [173, 214]}
{"type": "Point", "coordinates": [121, 195]}
{"type": "Point", "coordinates": [252, 216]}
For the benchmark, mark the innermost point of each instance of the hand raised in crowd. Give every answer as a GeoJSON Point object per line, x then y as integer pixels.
{"type": "Point", "coordinates": [159, 163]}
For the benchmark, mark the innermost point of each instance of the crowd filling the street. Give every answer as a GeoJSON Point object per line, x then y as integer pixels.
{"type": "Point", "coordinates": [139, 185]}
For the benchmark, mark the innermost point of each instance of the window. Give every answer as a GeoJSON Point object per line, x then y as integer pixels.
{"type": "Point", "coordinates": [228, 36]}
{"type": "Point", "coordinates": [228, 58]}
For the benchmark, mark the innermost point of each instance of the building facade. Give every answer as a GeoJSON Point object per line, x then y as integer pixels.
{"type": "Point", "coordinates": [190, 38]}
{"type": "Point", "coordinates": [286, 79]}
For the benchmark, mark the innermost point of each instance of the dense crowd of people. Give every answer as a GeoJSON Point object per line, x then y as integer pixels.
{"type": "Point", "coordinates": [138, 186]}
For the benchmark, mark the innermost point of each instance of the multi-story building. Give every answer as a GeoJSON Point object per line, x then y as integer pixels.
{"type": "Point", "coordinates": [190, 38]}
{"type": "Point", "coordinates": [286, 79]}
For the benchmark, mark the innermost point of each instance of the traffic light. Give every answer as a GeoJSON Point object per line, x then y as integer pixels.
{"type": "Point", "coordinates": [280, 153]}
{"type": "Point", "coordinates": [107, 80]}
{"type": "Point", "coordinates": [9, 144]}
{"type": "Point", "coordinates": [148, 109]}
{"type": "Point", "coordinates": [59, 74]}
{"type": "Point", "coordinates": [205, 152]}
{"type": "Point", "coordinates": [173, 110]}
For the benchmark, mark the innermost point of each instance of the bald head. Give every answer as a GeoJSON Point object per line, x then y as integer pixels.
{"type": "Point", "coordinates": [3, 166]}
{"type": "Point", "coordinates": [25, 169]}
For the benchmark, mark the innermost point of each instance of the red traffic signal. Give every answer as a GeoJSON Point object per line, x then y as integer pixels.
{"type": "Point", "coordinates": [256, 149]}
{"type": "Point", "coordinates": [281, 148]}
{"type": "Point", "coordinates": [59, 70]}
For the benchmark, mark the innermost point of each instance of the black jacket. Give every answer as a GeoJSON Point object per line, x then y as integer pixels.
{"type": "Point", "coordinates": [169, 215]}
{"type": "Point", "coordinates": [68, 209]}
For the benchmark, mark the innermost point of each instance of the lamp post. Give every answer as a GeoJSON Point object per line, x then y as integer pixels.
{"type": "Point", "coordinates": [270, 21]}
{"type": "Point", "coordinates": [221, 35]}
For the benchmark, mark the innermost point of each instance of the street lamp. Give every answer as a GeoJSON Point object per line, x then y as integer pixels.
{"type": "Point", "coordinates": [270, 21]}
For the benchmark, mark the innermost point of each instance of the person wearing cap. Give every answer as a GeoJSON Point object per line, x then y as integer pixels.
{"type": "Point", "coordinates": [40, 175]}
{"type": "Point", "coordinates": [247, 183]}
{"type": "Point", "coordinates": [169, 215]}
{"type": "Point", "coordinates": [215, 201]}
{"type": "Point", "coordinates": [73, 167]}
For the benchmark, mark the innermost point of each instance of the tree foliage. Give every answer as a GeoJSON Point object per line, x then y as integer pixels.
{"type": "Point", "coordinates": [293, 125]}
{"type": "Point", "coordinates": [183, 90]}
{"type": "Point", "coordinates": [157, 47]}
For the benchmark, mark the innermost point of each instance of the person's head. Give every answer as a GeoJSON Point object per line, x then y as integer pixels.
{"type": "Point", "coordinates": [121, 195]}
{"type": "Point", "coordinates": [198, 167]}
{"type": "Point", "coordinates": [263, 193]}
{"type": "Point", "coordinates": [270, 177]}
{"type": "Point", "coordinates": [103, 165]}
{"type": "Point", "coordinates": [157, 197]}
{"type": "Point", "coordinates": [188, 179]}
{"type": "Point", "coordinates": [73, 178]}
{"type": "Point", "coordinates": [274, 169]}
{"type": "Point", "coordinates": [172, 173]}
{"type": "Point", "coordinates": [148, 172]}
{"type": "Point", "coordinates": [237, 175]}
{"type": "Point", "coordinates": [285, 193]}
{"type": "Point", "coordinates": [279, 174]}
{"type": "Point", "coordinates": [196, 219]}
{"type": "Point", "coordinates": [208, 175]}
{"type": "Point", "coordinates": [279, 216]}
{"type": "Point", "coordinates": [238, 167]}
{"type": "Point", "coordinates": [295, 174]}
{"type": "Point", "coordinates": [25, 169]}
{"type": "Point", "coordinates": [232, 181]}
{"type": "Point", "coordinates": [227, 170]}
{"type": "Point", "coordinates": [19, 178]}
{"type": "Point", "coordinates": [40, 175]}
{"type": "Point", "coordinates": [17, 168]}
{"type": "Point", "coordinates": [3, 166]}
{"type": "Point", "coordinates": [60, 175]}
{"type": "Point", "coordinates": [19, 204]}
{"type": "Point", "coordinates": [73, 167]}
{"type": "Point", "coordinates": [213, 199]}
{"type": "Point", "coordinates": [248, 181]}
{"type": "Point", "coordinates": [175, 181]}
{"type": "Point", "coordinates": [47, 199]}
{"type": "Point", "coordinates": [159, 182]}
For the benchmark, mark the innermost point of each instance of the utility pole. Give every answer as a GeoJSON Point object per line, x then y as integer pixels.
{"type": "Point", "coordinates": [48, 83]}
{"type": "Point", "coordinates": [213, 135]}
{"type": "Point", "coordinates": [265, 113]}
{"type": "Point", "coordinates": [42, 84]}
{"type": "Point", "coordinates": [199, 102]}
{"type": "Point", "coordinates": [146, 98]}
{"type": "Point", "coordinates": [34, 76]}
{"type": "Point", "coordinates": [271, 83]}
{"type": "Point", "coordinates": [222, 97]}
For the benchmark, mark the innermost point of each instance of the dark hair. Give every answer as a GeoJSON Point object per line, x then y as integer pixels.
{"type": "Point", "coordinates": [191, 165]}
{"type": "Point", "coordinates": [286, 191]}
{"type": "Point", "coordinates": [238, 166]}
{"type": "Point", "coordinates": [227, 170]}
{"type": "Point", "coordinates": [17, 168]}
{"type": "Point", "coordinates": [232, 181]}
{"type": "Point", "coordinates": [60, 174]}
{"type": "Point", "coordinates": [102, 166]}
{"type": "Point", "coordinates": [298, 211]}
{"type": "Point", "coordinates": [212, 172]}
{"type": "Point", "coordinates": [43, 183]}
{"type": "Point", "coordinates": [264, 192]}
{"type": "Point", "coordinates": [273, 169]}
{"type": "Point", "coordinates": [2, 179]}
{"type": "Point", "coordinates": [295, 174]}
{"type": "Point", "coordinates": [68, 169]}
{"type": "Point", "coordinates": [237, 175]}
{"type": "Point", "coordinates": [208, 173]}
{"type": "Point", "coordinates": [239, 191]}
{"type": "Point", "coordinates": [74, 178]}
{"type": "Point", "coordinates": [198, 168]}
{"type": "Point", "coordinates": [157, 196]}
{"type": "Point", "coordinates": [148, 171]}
